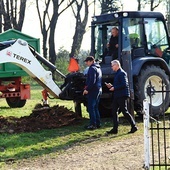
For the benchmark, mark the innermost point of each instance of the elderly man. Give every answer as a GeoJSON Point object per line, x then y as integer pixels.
{"type": "Point", "coordinates": [121, 93]}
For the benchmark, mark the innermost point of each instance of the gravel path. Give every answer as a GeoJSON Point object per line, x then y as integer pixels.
{"type": "Point", "coordinates": [111, 154]}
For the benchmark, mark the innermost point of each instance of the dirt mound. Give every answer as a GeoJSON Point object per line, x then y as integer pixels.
{"type": "Point", "coordinates": [40, 118]}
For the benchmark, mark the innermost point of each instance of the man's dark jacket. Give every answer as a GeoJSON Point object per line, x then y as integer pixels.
{"type": "Point", "coordinates": [120, 84]}
{"type": "Point", "coordinates": [94, 79]}
{"type": "Point", "coordinates": [113, 51]}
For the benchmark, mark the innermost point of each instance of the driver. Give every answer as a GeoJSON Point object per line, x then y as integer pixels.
{"type": "Point", "coordinates": [113, 43]}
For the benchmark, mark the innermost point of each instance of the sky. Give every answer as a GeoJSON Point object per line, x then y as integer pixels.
{"type": "Point", "coordinates": [65, 27]}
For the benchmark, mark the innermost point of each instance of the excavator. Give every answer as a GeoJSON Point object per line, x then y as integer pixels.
{"type": "Point", "coordinates": [20, 53]}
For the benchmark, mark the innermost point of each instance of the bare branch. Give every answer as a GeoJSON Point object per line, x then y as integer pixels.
{"type": "Point", "coordinates": [68, 5]}
{"type": "Point", "coordinates": [39, 15]}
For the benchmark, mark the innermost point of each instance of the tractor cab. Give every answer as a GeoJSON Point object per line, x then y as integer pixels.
{"type": "Point", "coordinates": [140, 33]}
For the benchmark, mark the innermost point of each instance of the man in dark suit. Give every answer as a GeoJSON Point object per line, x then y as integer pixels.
{"type": "Point", "coordinates": [121, 93]}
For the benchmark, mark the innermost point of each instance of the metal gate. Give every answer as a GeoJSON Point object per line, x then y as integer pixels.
{"type": "Point", "coordinates": [156, 137]}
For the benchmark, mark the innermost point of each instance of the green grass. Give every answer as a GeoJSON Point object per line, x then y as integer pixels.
{"type": "Point", "coordinates": [159, 168]}
{"type": "Point", "coordinates": [31, 145]}
{"type": "Point", "coordinates": [36, 97]}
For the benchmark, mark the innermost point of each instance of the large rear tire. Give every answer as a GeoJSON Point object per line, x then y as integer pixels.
{"type": "Point", "coordinates": [152, 77]}
{"type": "Point", "coordinates": [15, 102]}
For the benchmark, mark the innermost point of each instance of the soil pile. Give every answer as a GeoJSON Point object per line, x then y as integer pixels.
{"type": "Point", "coordinates": [40, 118]}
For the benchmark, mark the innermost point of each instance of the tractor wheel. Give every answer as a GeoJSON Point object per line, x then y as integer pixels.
{"type": "Point", "coordinates": [146, 84]}
{"type": "Point", "coordinates": [105, 108]}
{"type": "Point", "coordinates": [15, 102]}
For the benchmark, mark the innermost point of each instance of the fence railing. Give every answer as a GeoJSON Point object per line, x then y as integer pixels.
{"type": "Point", "coordinates": [156, 138]}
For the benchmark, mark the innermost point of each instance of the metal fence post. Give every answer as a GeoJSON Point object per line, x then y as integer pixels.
{"type": "Point", "coordinates": [146, 134]}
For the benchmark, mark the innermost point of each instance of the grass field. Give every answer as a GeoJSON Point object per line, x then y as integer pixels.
{"type": "Point", "coordinates": [15, 147]}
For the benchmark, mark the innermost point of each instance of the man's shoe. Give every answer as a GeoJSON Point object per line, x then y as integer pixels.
{"type": "Point", "coordinates": [133, 129]}
{"type": "Point", "coordinates": [112, 131]}
{"type": "Point", "coordinates": [90, 127]}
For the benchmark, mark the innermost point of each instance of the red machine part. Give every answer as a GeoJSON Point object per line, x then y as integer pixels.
{"type": "Point", "coordinates": [45, 97]}
{"type": "Point", "coordinates": [12, 87]}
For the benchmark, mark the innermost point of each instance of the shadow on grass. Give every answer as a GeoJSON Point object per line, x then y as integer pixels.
{"type": "Point", "coordinates": [18, 146]}
{"type": "Point", "coordinates": [14, 147]}
{"type": "Point", "coordinates": [5, 107]}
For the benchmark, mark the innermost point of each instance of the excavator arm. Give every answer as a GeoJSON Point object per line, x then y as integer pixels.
{"type": "Point", "coordinates": [20, 53]}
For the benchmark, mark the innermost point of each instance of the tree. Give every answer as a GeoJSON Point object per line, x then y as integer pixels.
{"type": "Point", "coordinates": [81, 22]}
{"type": "Point", "coordinates": [108, 6]}
{"type": "Point", "coordinates": [48, 22]}
{"type": "Point", "coordinates": [167, 4]}
{"type": "Point", "coordinates": [152, 3]}
{"type": "Point", "coordinates": [12, 13]}
{"type": "Point", "coordinates": [139, 4]}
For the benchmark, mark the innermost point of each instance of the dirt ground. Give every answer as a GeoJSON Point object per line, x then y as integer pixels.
{"type": "Point", "coordinates": [92, 154]}
{"type": "Point", "coordinates": [40, 118]}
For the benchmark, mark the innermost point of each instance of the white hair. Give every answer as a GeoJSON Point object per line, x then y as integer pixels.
{"type": "Point", "coordinates": [116, 62]}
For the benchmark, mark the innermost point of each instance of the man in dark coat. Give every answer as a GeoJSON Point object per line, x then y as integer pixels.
{"type": "Point", "coordinates": [93, 91]}
{"type": "Point", "coordinates": [121, 94]}
{"type": "Point", "coordinates": [113, 44]}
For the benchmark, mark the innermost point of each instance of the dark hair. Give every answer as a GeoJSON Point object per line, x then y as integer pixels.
{"type": "Point", "coordinates": [90, 58]}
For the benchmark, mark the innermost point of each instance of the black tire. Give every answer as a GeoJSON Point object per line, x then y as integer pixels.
{"type": "Point", "coordinates": [155, 75]}
{"type": "Point", "coordinates": [15, 102]}
{"type": "Point", "coordinates": [105, 108]}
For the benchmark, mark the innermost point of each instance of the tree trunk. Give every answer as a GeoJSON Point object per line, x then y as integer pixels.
{"type": "Point", "coordinates": [9, 13]}
{"type": "Point", "coordinates": [80, 28]}
{"type": "Point", "coordinates": [52, 52]}
{"type": "Point", "coordinates": [48, 31]}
